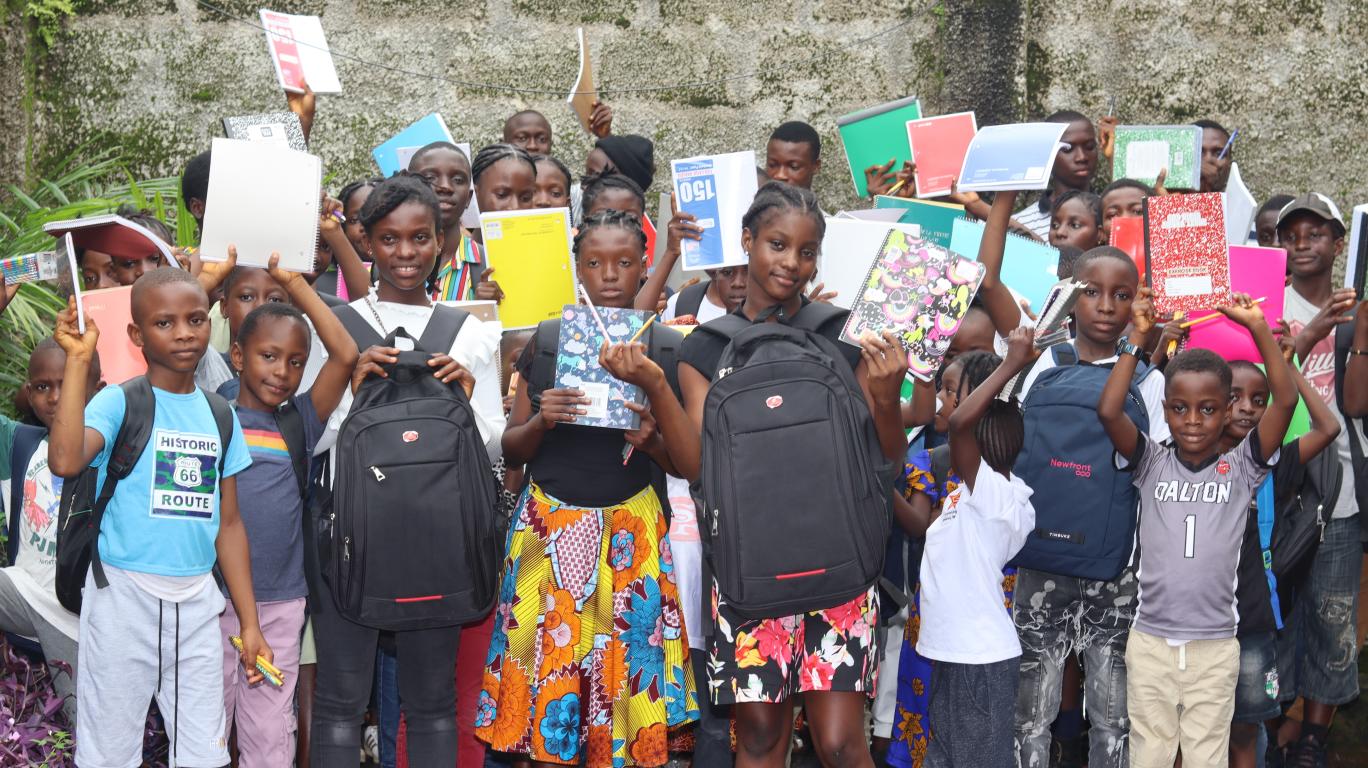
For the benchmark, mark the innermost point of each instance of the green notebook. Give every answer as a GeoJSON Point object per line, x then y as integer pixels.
{"type": "Point", "coordinates": [875, 135]}
{"type": "Point", "coordinates": [937, 220]}
{"type": "Point", "coordinates": [1144, 150]}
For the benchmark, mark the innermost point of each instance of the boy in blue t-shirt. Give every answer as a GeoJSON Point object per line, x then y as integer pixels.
{"type": "Point", "coordinates": [154, 629]}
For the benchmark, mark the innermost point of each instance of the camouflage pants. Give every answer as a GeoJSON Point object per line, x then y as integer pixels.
{"type": "Point", "coordinates": [1055, 615]}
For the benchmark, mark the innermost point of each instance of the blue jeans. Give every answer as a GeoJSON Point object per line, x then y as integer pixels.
{"type": "Point", "coordinates": [1316, 649]}
{"type": "Point", "coordinates": [387, 705]}
{"type": "Point", "coordinates": [1058, 614]}
{"type": "Point", "coordinates": [1256, 690]}
{"type": "Point", "coordinates": [971, 714]}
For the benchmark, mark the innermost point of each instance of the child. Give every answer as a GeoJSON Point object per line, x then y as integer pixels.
{"type": "Point", "coordinates": [1182, 658]}
{"type": "Point", "coordinates": [1077, 220]}
{"type": "Point", "coordinates": [1266, 220]}
{"type": "Point", "coordinates": [1073, 169]}
{"type": "Point", "coordinates": [793, 154]}
{"type": "Point", "coordinates": [161, 535]}
{"type": "Point", "coordinates": [1316, 652]}
{"type": "Point", "coordinates": [352, 197]}
{"type": "Point", "coordinates": [983, 523]}
{"type": "Point", "coordinates": [1123, 197]}
{"type": "Point", "coordinates": [829, 655]}
{"type": "Point", "coordinates": [1217, 156]}
{"type": "Point", "coordinates": [402, 223]}
{"type": "Point", "coordinates": [612, 191]}
{"type": "Point", "coordinates": [1256, 690]}
{"type": "Point", "coordinates": [528, 130]}
{"type": "Point", "coordinates": [269, 351]}
{"type": "Point", "coordinates": [554, 183]}
{"type": "Point", "coordinates": [580, 478]}
{"type": "Point", "coordinates": [505, 179]}
{"type": "Point", "coordinates": [720, 294]}
{"type": "Point", "coordinates": [245, 289]}
{"type": "Point", "coordinates": [97, 269]}
{"type": "Point", "coordinates": [460, 274]}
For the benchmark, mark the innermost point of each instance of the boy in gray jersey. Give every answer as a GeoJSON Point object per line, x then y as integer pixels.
{"type": "Point", "coordinates": [1182, 658]}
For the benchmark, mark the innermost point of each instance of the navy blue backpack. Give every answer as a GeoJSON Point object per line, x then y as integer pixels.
{"type": "Point", "coordinates": [1085, 524]}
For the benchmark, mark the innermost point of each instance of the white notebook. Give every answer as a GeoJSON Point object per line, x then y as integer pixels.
{"type": "Point", "coordinates": [263, 198]}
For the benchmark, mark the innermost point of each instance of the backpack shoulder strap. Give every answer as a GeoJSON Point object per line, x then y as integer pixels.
{"type": "Point", "coordinates": [357, 327]}
{"type": "Point", "coordinates": [291, 425]}
{"type": "Point", "coordinates": [663, 344]}
{"type": "Point", "coordinates": [691, 299]}
{"type": "Point", "coordinates": [1064, 354]}
{"type": "Point", "coordinates": [725, 327]}
{"type": "Point", "coordinates": [543, 372]}
{"type": "Point", "coordinates": [223, 419]}
{"type": "Point", "coordinates": [815, 315]}
{"type": "Point", "coordinates": [442, 329]}
{"type": "Point", "coordinates": [27, 438]}
{"type": "Point", "coordinates": [940, 467]}
{"type": "Point", "coordinates": [140, 407]}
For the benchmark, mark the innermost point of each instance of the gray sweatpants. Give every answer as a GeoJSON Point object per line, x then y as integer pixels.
{"type": "Point", "coordinates": [17, 616]}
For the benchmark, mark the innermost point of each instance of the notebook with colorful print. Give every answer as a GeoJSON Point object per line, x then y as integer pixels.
{"type": "Point", "coordinates": [1142, 151]}
{"type": "Point", "coordinates": [1186, 252]}
{"type": "Point", "coordinates": [577, 363]}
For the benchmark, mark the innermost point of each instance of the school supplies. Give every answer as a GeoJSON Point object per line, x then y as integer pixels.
{"type": "Point", "coordinates": [300, 52]}
{"type": "Point", "coordinates": [271, 672]}
{"type": "Point", "coordinates": [1240, 207]}
{"type": "Point", "coordinates": [716, 190]}
{"type": "Point", "coordinates": [1052, 327]}
{"type": "Point", "coordinates": [29, 267]}
{"type": "Point", "coordinates": [642, 329]}
{"type": "Point", "coordinates": [937, 220]}
{"type": "Point", "coordinates": [1230, 142]}
{"type": "Point", "coordinates": [875, 135]}
{"type": "Point", "coordinates": [583, 329]}
{"type": "Point", "coordinates": [849, 247]}
{"type": "Point", "coordinates": [120, 358]}
{"type": "Point", "coordinates": [1019, 156]}
{"type": "Point", "coordinates": [1029, 267]}
{"type": "Point", "coordinates": [281, 128]}
{"type": "Point", "coordinates": [263, 199]}
{"type": "Point", "coordinates": [1254, 271]}
{"type": "Point", "coordinates": [583, 94]}
{"type": "Point", "coordinates": [1185, 248]}
{"type": "Point", "coordinates": [938, 147]}
{"type": "Point", "coordinates": [885, 215]}
{"type": "Point", "coordinates": [394, 154]}
{"type": "Point", "coordinates": [1356, 262]}
{"type": "Point", "coordinates": [921, 292]}
{"type": "Point", "coordinates": [529, 252]}
{"type": "Point", "coordinates": [1142, 151]}
{"type": "Point", "coordinates": [1128, 234]}
{"type": "Point", "coordinates": [112, 234]}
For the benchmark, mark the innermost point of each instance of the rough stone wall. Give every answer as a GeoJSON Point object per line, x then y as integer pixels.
{"type": "Point", "coordinates": [155, 76]}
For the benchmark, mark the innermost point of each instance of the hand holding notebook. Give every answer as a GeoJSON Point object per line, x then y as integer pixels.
{"type": "Point", "coordinates": [264, 199]}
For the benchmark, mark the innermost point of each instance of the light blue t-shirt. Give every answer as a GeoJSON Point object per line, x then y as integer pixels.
{"type": "Point", "coordinates": [164, 517]}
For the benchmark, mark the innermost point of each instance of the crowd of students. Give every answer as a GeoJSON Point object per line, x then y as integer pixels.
{"type": "Point", "coordinates": [610, 629]}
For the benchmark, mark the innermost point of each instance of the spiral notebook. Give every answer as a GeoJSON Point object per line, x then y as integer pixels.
{"type": "Point", "coordinates": [1029, 267]}
{"type": "Point", "coordinates": [875, 135]}
{"type": "Point", "coordinates": [1356, 267]}
{"type": "Point", "coordinates": [263, 198]}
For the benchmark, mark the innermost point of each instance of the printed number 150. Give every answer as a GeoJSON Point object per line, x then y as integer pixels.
{"type": "Point", "coordinates": [699, 189]}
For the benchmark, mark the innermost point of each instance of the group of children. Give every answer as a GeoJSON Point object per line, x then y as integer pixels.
{"type": "Point", "coordinates": [610, 629]}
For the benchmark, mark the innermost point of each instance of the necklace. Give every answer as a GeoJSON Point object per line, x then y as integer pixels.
{"type": "Point", "coordinates": [376, 314]}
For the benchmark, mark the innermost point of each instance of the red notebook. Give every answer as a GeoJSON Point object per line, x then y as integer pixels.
{"type": "Point", "coordinates": [938, 147]}
{"type": "Point", "coordinates": [1128, 234]}
{"type": "Point", "coordinates": [1186, 251]}
{"type": "Point", "coordinates": [120, 358]}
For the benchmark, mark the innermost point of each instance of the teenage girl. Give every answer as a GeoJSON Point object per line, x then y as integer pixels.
{"type": "Point", "coordinates": [1076, 220]}
{"type": "Point", "coordinates": [459, 274]}
{"type": "Point", "coordinates": [505, 179]}
{"type": "Point", "coordinates": [554, 183]}
{"type": "Point", "coordinates": [830, 655]}
{"type": "Point", "coordinates": [1074, 168]}
{"type": "Point", "coordinates": [589, 660]}
{"type": "Point", "coordinates": [402, 222]}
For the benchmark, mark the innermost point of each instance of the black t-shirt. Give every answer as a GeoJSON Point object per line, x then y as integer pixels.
{"type": "Point", "coordinates": [583, 465]}
{"type": "Point", "coordinates": [1252, 597]}
{"type": "Point", "coordinates": [703, 350]}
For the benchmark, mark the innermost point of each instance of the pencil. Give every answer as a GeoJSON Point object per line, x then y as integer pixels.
{"type": "Point", "coordinates": [1173, 344]}
{"type": "Point", "coordinates": [594, 311]}
{"type": "Point", "coordinates": [642, 329]}
{"type": "Point", "coordinates": [271, 672]}
{"type": "Point", "coordinates": [895, 188]}
{"type": "Point", "coordinates": [1212, 316]}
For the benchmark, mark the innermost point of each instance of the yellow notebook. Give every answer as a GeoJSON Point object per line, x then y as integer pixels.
{"type": "Point", "coordinates": [529, 252]}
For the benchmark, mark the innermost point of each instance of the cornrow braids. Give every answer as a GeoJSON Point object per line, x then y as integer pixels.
{"type": "Point", "coordinates": [488, 156]}
{"type": "Point", "coordinates": [1093, 202]}
{"type": "Point", "coordinates": [1001, 432]}
{"type": "Point", "coordinates": [269, 311]}
{"type": "Point", "coordinates": [595, 185]}
{"type": "Point", "coordinates": [611, 218]}
{"type": "Point", "coordinates": [393, 192]}
{"type": "Point", "coordinates": [555, 162]}
{"type": "Point", "coordinates": [345, 195]}
{"type": "Point", "coordinates": [777, 196]}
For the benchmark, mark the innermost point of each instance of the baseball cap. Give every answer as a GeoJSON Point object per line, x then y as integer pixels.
{"type": "Point", "coordinates": [1316, 204]}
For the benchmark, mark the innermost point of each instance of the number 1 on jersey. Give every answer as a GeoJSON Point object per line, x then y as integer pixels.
{"type": "Point", "coordinates": [1190, 538]}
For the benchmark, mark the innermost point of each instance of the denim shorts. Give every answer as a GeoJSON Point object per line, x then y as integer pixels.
{"type": "Point", "coordinates": [1256, 690]}
{"type": "Point", "coordinates": [1317, 649]}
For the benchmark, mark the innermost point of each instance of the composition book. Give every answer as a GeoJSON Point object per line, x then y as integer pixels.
{"type": "Point", "coordinates": [1186, 253]}
{"type": "Point", "coordinates": [875, 135]}
{"type": "Point", "coordinates": [919, 291]}
{"type": "Point", "coordinates": [263, 198]}
{"type": "Point", "coordinates": [1142, 151]}
{"type": "Point", "coordinates": [281, 128]}
{"type": "Point", "coordinates": [577, 363]}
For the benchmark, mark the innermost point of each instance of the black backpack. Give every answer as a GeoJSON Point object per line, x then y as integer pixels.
{"type": "Point", "coordinates": [691, 299]}
{"type": "Point", "coordinates": [796, 491]}
{"type": "Point", "coordinates": [78, 527]}
{"type": "Point", "coordinates": [412, 535]}
{"type": "Point", "coordinates": [1305, 495]}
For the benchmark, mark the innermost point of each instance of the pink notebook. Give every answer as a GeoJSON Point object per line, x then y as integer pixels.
{"type": "Point", "coordinates": [938, 147]}
{"type": "Point", "coordinates": [1258, 272]}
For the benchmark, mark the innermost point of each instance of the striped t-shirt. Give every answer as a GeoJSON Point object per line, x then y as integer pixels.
{"type": "Point", "coordinates": [1034, 219]}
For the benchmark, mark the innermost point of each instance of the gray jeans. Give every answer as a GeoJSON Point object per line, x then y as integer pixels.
{"type": "Point", "coordinates": [971, 714]}
{"type": "Point", "coordinates": [18, 617]}
{"type": "Point", "coordinates": [1058, 614]}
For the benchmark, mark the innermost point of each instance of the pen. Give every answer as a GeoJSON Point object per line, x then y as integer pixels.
{"type": "Point", "coordinates": [1229, 143]}
{"type": "Point", "coordinates": [895, 188]}
{"type": "Point", "coordinates": [1111, 106]}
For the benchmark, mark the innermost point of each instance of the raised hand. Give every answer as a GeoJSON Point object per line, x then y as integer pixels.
{"type": "Point", "coordinates": [880, 178]}
{"type": "Point", "coordinates": [290, 281]}
{"type": "Point", "coordinates": [488, 290]}
{"type": "Point", "coordinates": [1244, 311]}
{"type": "Point", "coordinates": [601, 119]}
{"type": "Point", "coordinates": [213, 273]}
{"type": "Point", "coordinates": [1142, 311]}
{"type": "Point", "coordinates": [1106, 135]}
{"type": "Point", "coordinates": [885, 363]}
{"type": "Point", "coordinates": [1021, 349]}
{"type": "Point", "coordinates": [304, 105]}
{"type": "Point", "coordinates": [629, 362]}
{"type": "Point", "coordinates": [68, 334]}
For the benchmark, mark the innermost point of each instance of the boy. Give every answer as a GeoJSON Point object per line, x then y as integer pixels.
{"type": "Point", "coordinates": [1216, 159]}
{"type": "Point", "coordinates": [154, 629]}
{"type": "Point", "coordinates": [1182, 658]}
{"type": "Point", "coordinates": [1317, 651]}
{"type": "Point", "coordinates": [794, 154]}
{"type": "Point", "coordinates": [28, 602]}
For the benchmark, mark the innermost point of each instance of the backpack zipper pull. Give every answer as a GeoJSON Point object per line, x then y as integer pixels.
{"type": "Point", "coordinates": [1320, 521]}
{"type": "Point", "coordinates": [346, 548]}
{"type": "Point", "coordinates": [379, 476]}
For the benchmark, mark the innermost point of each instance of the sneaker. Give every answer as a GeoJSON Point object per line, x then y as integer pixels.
{"type": "Point", "coordinates": [1307, 753]}
{"type": "Point", "coordinates": [370, 744]}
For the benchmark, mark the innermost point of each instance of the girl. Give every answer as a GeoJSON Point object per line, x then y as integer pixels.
{"type": "Point", "coordinates": [459, 274]}
{"type": "Point", "coordinates": [612, 191]}
{"type": "Point", "coordinates": [505, 179]}
{"type": "Point", "coordinates": [402, 221]}
{"type": "Point", "coordinates": [269, 353]}
{"type": "Point", "coordinates": [1074, 168]}
{"type": "Point", "coordinates": [352, 197]}
{"type": "Point", "coordinates": [589, 660]}
{"type": "Point", "coordinates": [554, 183]}
{"type": "Point", "coordinates": [1077, 220]}
{"type": "Point", "coordinates": [828, 655]}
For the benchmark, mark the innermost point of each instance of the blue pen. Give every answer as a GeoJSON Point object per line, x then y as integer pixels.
{"type": "Point", "coordinates": [1229, 143]}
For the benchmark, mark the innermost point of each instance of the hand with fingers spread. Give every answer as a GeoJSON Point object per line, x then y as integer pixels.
{"type": "Point", "coordinates": [1334, 313]}
{"type": "Point", "coordinates": [1244, 311]}
{"type": "Point", "coordinates": [880, 178]}
{"type": "Point", "coordinates": [372, 363]}
{"type": "Point", "coordinates": [819, 293]}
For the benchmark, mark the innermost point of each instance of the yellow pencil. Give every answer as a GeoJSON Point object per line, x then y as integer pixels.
{"type": "Point", "coordinates": [1213, 315]}
{"type": "Point", "coordinates": [1173, 345]}
{"type": "Point", "coordinates": [271, 672]}
{"type": "Point", "coordinates": [895, 188]}
{"type": "Point", "coordinates": [642, 329]}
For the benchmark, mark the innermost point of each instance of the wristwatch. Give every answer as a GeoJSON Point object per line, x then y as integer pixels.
{"type": "Point", "coordinates": [1124, 347]}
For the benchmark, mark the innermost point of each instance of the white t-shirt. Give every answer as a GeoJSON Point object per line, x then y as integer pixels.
{"type": "Point", "coordinates": [707, 310]}
{"type": "Point", "coordinates": [1151, 391]}
{"type": "Point", "coordinates": [34, 573]}
{"type": "Point", "coordinates": [963, 617]}
{"type": "Point", "coordinates": [1319, 370]}
{"type": "Point", "coordinates": [686, 551]}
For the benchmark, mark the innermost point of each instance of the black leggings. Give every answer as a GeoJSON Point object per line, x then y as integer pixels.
{"type": "Point", "coordinates": [346, 669]}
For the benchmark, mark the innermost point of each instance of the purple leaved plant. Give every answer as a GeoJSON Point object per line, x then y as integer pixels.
{"type": "Point", "coordinates": [33, 729]}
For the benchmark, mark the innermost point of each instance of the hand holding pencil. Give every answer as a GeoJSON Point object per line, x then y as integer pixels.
{"type": "Point", "coordinates": [270, 672]}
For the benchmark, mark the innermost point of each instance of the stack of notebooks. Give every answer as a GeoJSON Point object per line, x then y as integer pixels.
{"type": "Point", "coordinates": [1052, 327]}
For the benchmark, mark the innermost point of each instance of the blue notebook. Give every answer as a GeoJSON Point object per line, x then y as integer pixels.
{"type": "Point", "coordinates": [1018, 156]}
{"type": "Point", "coordinates": [577, 364]}
{"type": "Point", "coordinates": [1028, 266]}
{"type": "Point", "coordinates": [394, 154]}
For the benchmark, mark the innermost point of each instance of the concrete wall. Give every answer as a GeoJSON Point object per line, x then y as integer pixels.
{"type": "Point", "coordinates": [155, 76]}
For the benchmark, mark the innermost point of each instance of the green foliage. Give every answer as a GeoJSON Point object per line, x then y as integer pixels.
{"type": "Point", "coordinates": [95, 187]}
{"type": "Point", "coordinates": [47, 17]}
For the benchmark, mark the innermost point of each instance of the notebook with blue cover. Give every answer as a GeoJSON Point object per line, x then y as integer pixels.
{"type": "Point", "coordinates": [1019, 156]}
{"type": "Point", "coordinates": [1029, 267]}
{"type": "Point", "coordinates": [390, 156]}
{"type": "Point", "coordinates": [577, 364]}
